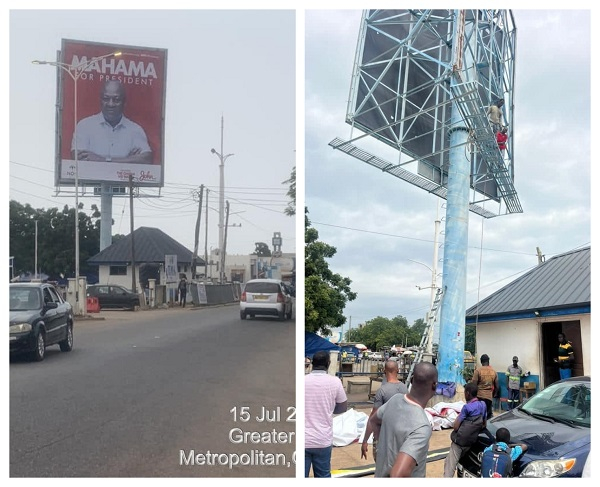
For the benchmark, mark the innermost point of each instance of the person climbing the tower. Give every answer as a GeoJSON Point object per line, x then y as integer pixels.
{"type": "Point", "coordinates": [494, 114]}
{"type": "Point", "coordinates": [501, 138]}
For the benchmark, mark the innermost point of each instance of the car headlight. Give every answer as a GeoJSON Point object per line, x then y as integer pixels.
{"type": "Point", "coordinates": [543, 469]}
{"type": "Point", "coordinates": [20, 328]}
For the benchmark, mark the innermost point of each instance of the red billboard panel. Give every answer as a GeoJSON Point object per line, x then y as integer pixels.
{"type": "Point", "coordinates": [111, 114]}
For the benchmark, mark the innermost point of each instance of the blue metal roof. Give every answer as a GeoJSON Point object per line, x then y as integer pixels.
{"type": "Point", "coordinates": [561, 285]}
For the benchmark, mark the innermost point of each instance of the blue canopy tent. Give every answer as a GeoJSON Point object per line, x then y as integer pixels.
{"type": "Point", "coordinates": [313, 343]}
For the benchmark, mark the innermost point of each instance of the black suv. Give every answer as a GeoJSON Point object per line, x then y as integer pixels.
{"type": "Point", "coordinates": [39, 317]}
{"type": "Point", "coordinates": [113, 296]}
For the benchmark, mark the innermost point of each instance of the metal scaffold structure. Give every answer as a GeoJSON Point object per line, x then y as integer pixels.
{"type": "Point", "coordinates": [424, 84]}
{"type": "Point", "coordinates": [411, 68]}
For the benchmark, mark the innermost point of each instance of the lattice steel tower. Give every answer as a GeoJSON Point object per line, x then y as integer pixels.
{"type": "Point", "coordinates": [422, 83]}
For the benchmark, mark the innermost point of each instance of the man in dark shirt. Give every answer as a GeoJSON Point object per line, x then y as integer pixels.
{"type": "Point", "coordinates": [566, 357]}
{"type": "Point", "coordinates": [486, 379]}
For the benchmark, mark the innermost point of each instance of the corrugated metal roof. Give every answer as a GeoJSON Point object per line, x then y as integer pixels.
{"type": "Point", "coordinates": [564, 281]}
{"type": "Point", "coordinates": [151, 246]}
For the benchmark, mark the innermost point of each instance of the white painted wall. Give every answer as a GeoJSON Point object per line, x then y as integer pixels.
{"type": "Point", "coordinates": [501, 340]}
{"type": "Point", "coordinates": [497, 339]}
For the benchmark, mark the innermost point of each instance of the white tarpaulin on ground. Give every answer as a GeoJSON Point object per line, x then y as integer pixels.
{"type": "Point", "coordinates": [349, 427]}
{"type": "Point", "coordinates": [443, 414]}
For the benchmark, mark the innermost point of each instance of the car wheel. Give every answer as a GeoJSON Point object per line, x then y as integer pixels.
{"type": "Point", "coordinates": [67, 344]}
{"type": "Point", "coordinates": [40, 347]}
{"type": "Point", "coordinates": [242, 315]}
{"type": "Point", "coordinates": [281, 316]}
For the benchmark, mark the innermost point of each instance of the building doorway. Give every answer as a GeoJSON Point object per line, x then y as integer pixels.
{"type": "Point", "coordinates": [550, 331]}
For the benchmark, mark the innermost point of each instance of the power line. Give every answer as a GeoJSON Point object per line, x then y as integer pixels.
{"type": "Point", "coordinates": [414, 238]}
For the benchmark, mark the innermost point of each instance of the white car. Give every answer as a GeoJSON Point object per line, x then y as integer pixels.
{"type": "Point", "coordinates": [266, 297]}
{"type": "Point", "coordinates": [376, 356]}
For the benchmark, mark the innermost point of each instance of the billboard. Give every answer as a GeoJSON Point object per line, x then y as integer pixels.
{"type": "Point", "coordinates": [111, 112]}
{"type": "Point", "coordinates": [401, 92]}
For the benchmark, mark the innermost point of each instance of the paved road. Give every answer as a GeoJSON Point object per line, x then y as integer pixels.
{"type": "Point", "coordinates": [143, 393]}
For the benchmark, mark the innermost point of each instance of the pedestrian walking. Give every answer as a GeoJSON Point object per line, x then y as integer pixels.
{"type": "Point", "coordinates": [182, 288]}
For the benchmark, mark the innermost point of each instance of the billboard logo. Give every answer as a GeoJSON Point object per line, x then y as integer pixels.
{"type": "Point", "coordinates": [112, 68]}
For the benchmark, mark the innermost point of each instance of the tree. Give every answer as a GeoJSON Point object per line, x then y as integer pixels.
{"type": "Point", "coordinates": [384, 332]}
{"type": "Point", "coordinates": [56, 239]}
{"type": "Point", "coordinates": [326, 293]}
{"type": "Point", "coordinates": [290, 209]}
{"type": "Point", "coordinates": [262, 250]}
{"type": "Point", "coordinates": [470, 338]}
{"type": "Point", "coordinates": [416, 331]}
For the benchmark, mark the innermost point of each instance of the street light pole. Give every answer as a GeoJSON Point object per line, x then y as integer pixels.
{"type": "Point", "coordinates": [222, 159]}
{"type": "Point", "coordinates": [36, 249]}
{"type": "Point", "coordinates": [75, 72]}
{"type": "Point", "coordinates": [433, 288]}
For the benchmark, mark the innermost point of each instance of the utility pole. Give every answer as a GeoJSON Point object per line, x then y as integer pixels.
{"type": "Point", "coordinates": [433, 281]}
{"type": "Point", "coordinates": [133, 285]}
{"type": "Point", "coordinates": [197, 234]}
{"type": "Point", "coordinates": [206, 241]}
{"type": "Point", "coordinates": [36, 249]}
{"type": "Point", "coordinates": [223, 250]}
{"type": "Point", "coordinates": [222, 159]}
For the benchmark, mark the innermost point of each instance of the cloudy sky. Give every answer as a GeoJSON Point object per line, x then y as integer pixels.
{"type": "Point", "coordinates": [236, 64]}
{"type": "Point", "coordinates": [380, 224]}
{"type": "Point", "coordinates": [242, 65]}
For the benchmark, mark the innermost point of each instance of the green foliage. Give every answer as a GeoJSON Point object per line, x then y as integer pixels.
{"type": "Point", "coordinates": [326, 293]}
{"type": "Point", "coordinates": [384, 332]}
{"type": "Point", "coordinates": [56, 239]}
{"type": "Point", "coordinates": [470, 338]}
{"type": "Point", "coordinates": [262, 250]}
{"type": "Point", "coordinates": [418, 328]}
{"type": "Point", "coordinates": [290, 209]}
{"type": "Point", "coordinates": [467, 373]}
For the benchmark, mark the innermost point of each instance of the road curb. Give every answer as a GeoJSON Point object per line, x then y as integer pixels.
{"type": "Point", "coordinates": [96, 317]}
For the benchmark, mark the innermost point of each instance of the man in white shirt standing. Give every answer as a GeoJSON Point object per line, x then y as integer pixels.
{"type": "Point", "coordinates": [324, 397]}
{"type": "Point", "coordinates": [109, 136]}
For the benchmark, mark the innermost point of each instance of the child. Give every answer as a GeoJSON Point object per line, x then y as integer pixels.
{"type": "Point", "coordinates": [472, 420]}
{"type": "Point", "coordinates": [498, 458]}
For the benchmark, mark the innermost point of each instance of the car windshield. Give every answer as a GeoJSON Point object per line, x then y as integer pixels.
{"type": "Point", "coordinates": [564, 401]}
{"type": "Point", "coordinates": [262, 287]}
{"type": "Point", "coordinates": [24, 298]}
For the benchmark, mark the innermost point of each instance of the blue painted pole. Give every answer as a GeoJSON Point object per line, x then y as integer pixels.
{"type": "Point", "coordinates": [452, 322]}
